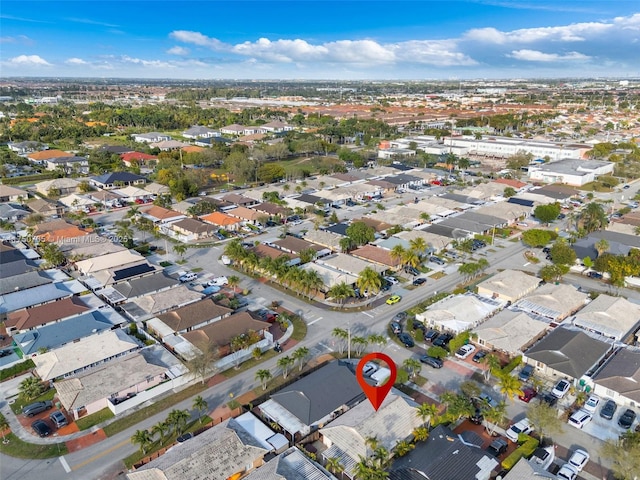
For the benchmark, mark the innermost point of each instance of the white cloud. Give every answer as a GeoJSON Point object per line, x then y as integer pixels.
{"type": "Point", "coordinates": [75, 61]}
{"type": "Point", "coordinates": [28, 61]}
{"type": "Point", "coordinates": [359, 52]}
{"type": "Point", "coordinates": [178, 51]}
{"type": "Point", "coordinates": [21, 39]}
{"type": "Point", "coordinates": [537, 56]}
{"type": "Point", "coordinates": [146, 63]}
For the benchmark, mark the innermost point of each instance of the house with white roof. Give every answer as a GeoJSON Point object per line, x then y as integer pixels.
{"type": "Point", "coordinates": [151, 137]}
{"type": "Point", "coordinates": [458, 313]}
{"type": "Point", "coordinates": [612, 317]}
{"type": "Point", "coordinates": [508, 285]}
{"type": "Point", "coordinates": [510, 331]}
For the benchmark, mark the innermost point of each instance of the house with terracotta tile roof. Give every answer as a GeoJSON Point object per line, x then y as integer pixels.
{"type": "Point", "coordinates": [30, 318]}
{"type": "Point", "coordinates": [246, 214]}
{"type": "Point", "coordinates": [508, 182]}
{"type": "Point", "coordinates": [266, 251]}
{"type": "Point", "coordinates": [222, 220]}
{"type": "Point", "coordinates": [42, 156]}
{"type": "Point", "coordinates": [58, 231]}
{"type": "Point", "coordinates": [161, 215]}
{"type": "Point", "coordinates": [377, 255]}
{"type": "Point", "coordinates": [137, 158]}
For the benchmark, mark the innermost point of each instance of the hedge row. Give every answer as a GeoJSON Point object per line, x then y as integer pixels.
{"type": "Point", "coordinates": [16, 369]}
{"type": "Point", "coordinates": [528, 445]}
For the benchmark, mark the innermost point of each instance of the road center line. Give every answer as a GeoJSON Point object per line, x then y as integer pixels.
{"type": "Point", "coordinates": [101, 454]}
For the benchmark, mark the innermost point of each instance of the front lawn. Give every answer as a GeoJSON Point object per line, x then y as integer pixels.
{"type": "Point", "coordinates": [20, 449]}
{"type": "Point", "coordinates": [17, 406]}
{"type": "Point", "coordinates": [94, 419]}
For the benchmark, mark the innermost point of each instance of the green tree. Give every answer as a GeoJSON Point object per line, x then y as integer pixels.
{"type": "Point", "coordinates": [369, 280]}
{"type": "Point", "coordinates": [30, 388]}
{"type": "Point", "coordinates": [178, 419]}
{"type": "Point", "coordinates": [334, 466]}
{"type": "Point", "coordinates": [544, 418]}
{"type": "Point", "coordinates": [300, 356]}
{"type": "Point", "coordinates": [286, 364]}
{"type": "Point", "coordinates": [427, 412]}
{"type": "Point", "coordinates": [437, 352]}
{"type": "Point", "coordinates": [494, 416]}
{"type": "Point", "coordinates": [593, 217]}
{"type": "Point", "coordinates": [547, 213]}
{"type": "Point", "coordinates": [562, 253]}
{"type": "Point", "coordinates": [492, 363]}
{"type": "Point", "coordinates": [403, 447]}
{"type": "Point", "coordinates": [536, 237]}
{"type": "Point", "coordinates": [51, 254]}
{"type": "Point", "coordinates": [264, 376]}
{"type": "Point", "coordinates": [509, 192]}
{"type": "Point", "coordinates": [180, 249]}
{"type": "Point", "coordinates": [601, 246]}
{"type": "Point", "coordinates": [360, 233]}
{"type": "Point", "coordinates": [142, 438]}
{"type": "Point", "coordinates": [342, 336]}
{"type": "Point", "coordinates": [624, 454]}
{"type": "Point", "coordinates": [200, 404]}
{"type": "Point", "coordinates": [341, 291]}
{"type": "Point", "coordinates": [412, 366]}
{"type": "Point", "coordinates": [4, 426]}
{"type": "Point", "coordinates": [160, 429]}
{"type": "Point", "coordinates": [509, 386]}
{"type": "Point", "coordinates": [470, 388]}
{"type": "Point", "coordinates": [359, 344]}
{"type": "Point", "coordinates": [553, 273]}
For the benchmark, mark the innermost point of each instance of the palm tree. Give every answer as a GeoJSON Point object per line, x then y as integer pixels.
{"type": "Point", "coordinates": [233, 281]}
{"type": "Point", "coordinates": [342, 336]}
{"type": "Point", "coordinates": [200, 404]}
{"type": "Point", "coordinates": [299, 356]}
{"type": "Point", "coordinates": [143, 438]}
{"type": "Point", "coordinates": [492, 362]}
{"type": "Point", "coordinates": [312, 282]}
{"type": "Point", "coordinates": [509, 386]}
{"type": "Point", "coordinates": [377, 339]}
{"type": "Point", "coordinates": [369, 280]}
{"type": "Point", "coordinates": [159, 429]}
{"type": "Point", "coordinates": [426, 412]}
{"type": "Point", "coordinates": [30, 388]}
{"type": "Point", "coordinates": [412, 366]}
{"type": "Point", "coordinates": [341, 291]}
{"type": "Point", "coordinates": [411, 259]}
{"type": "Point", "coordinates": [180, 249]}
{"type": "Point", "coordinates": [334, 466]}
{"type": "Point", "coordinates": [359, 345]}
{"type": "Point", "coordinates": [593, 217]}
{"type": "Point", "coordinates": [601, 246]}
{"type": "Point", "coordinates": [494, 416]}
{"type": "Point", "coordinates": [397, 253]}
{"type": "Point", "coordinates": [380, 457]}
{"type": "Point", "coordinates": [178, 419]}
{"type": "Point", "coordinates": [420, 434]}
{"type": "Point", "coordinates": [418, 245]}
{"type": "Point", "coordinates": [403, 447]}
{"type": "Point", "coordinates": [372, 443]}
{"type": "Point", "coordinates": [285, 363]}
{"type": "Point", "coordinates": [264, 376]}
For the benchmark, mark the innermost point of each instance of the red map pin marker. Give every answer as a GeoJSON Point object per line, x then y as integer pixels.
{"type": "Point", "coordinates": [376, 395]}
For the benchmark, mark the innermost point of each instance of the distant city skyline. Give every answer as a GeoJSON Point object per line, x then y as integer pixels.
{"type": "Point", "coordinates": [313, 39]}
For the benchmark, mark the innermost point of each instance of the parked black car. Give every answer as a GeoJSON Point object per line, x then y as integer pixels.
{"type": "Point", "coordinates": [627, 418]}
{"type": "Point", "coordinates": [419, 281]}
{"type": "Point", "coordinates": [479, 356]}
{"type": "Point", "coordinates": [184, 437]}
{"type": "Point", "coordinates": [418, 325]}
{"type": "Point", "coordinates": [406, 339]}
{"type": "Point", "coordinates": [443, 340]}
{"type": "Point", "coordinates": [400, 316]}
{"type": "Point", "coordinates": [42, 428]}
{"type": "Point", "coordinates": [608, 409]}
{"type": "Point", "coordinates": [549, 399]}
{"type": "Point", "coordinates": [596, 275]}
{"type": "Point", "coordinates": [525, 373]}
{"type": "Point", "coordinates": [498, 447]}
{"type": "Point", "coordinates": [431, 361]}
{"type": "Point", "coordinates": [431, 335]}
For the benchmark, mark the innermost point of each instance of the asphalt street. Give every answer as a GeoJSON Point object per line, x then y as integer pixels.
{"type": "Point", "coordinates": [103, 460]}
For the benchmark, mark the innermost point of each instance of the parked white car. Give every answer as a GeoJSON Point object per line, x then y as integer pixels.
{"type": "Point", "coordinates": [523, 426]}
{"type": "Point", "coordinates": [567, 472]}
{"type": "Point", "coordinates": [579, 459]}
{"type": "Point", "coordinates": [580, 418]}
{"type": "Point", "coordinates": [188, 277]}
{"type": "Point", "coordinates": [464, 351]}
{"type": "Point", "coordinates": [561, 388]}
{"type": "Point", "coordinates": [218, 281]}
{"type": "Point", "coordinates": [591, 404]}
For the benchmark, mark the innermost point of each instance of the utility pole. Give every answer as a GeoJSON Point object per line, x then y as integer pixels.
{"type": "Point", "coordinates": [349, 340]}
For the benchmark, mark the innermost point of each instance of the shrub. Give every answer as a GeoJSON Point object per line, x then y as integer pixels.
{"type": "Point", "coordinates": [437, 352]}
{"type": "Point", "coordinates": [16, 369]}
{"type": "Point", "coordinates": [419, 335]}
{"type": "Point", "coordinates": [509, 367]}
{"type": "Point", "coordinates": [458, 341]}
{"type": "Point", "coordinates": [528, 445]}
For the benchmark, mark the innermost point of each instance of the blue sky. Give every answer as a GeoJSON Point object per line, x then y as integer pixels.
{"type": "Point", "coordinates": [312, 39]}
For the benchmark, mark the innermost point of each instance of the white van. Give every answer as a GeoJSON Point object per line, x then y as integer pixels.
{"type": "Point", "coordinates": [381, 376]}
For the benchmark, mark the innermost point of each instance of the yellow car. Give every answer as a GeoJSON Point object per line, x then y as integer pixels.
{"type": "Point", "coordinates": [393, 299]}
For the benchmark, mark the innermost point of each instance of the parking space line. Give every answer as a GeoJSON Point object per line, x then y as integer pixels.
{"type": "Point", "coordinates": [367, 314]}
{"type": "Point", "coordinates": [316, 320]}
{"type": "Point", "coordinates": [65, 465]}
